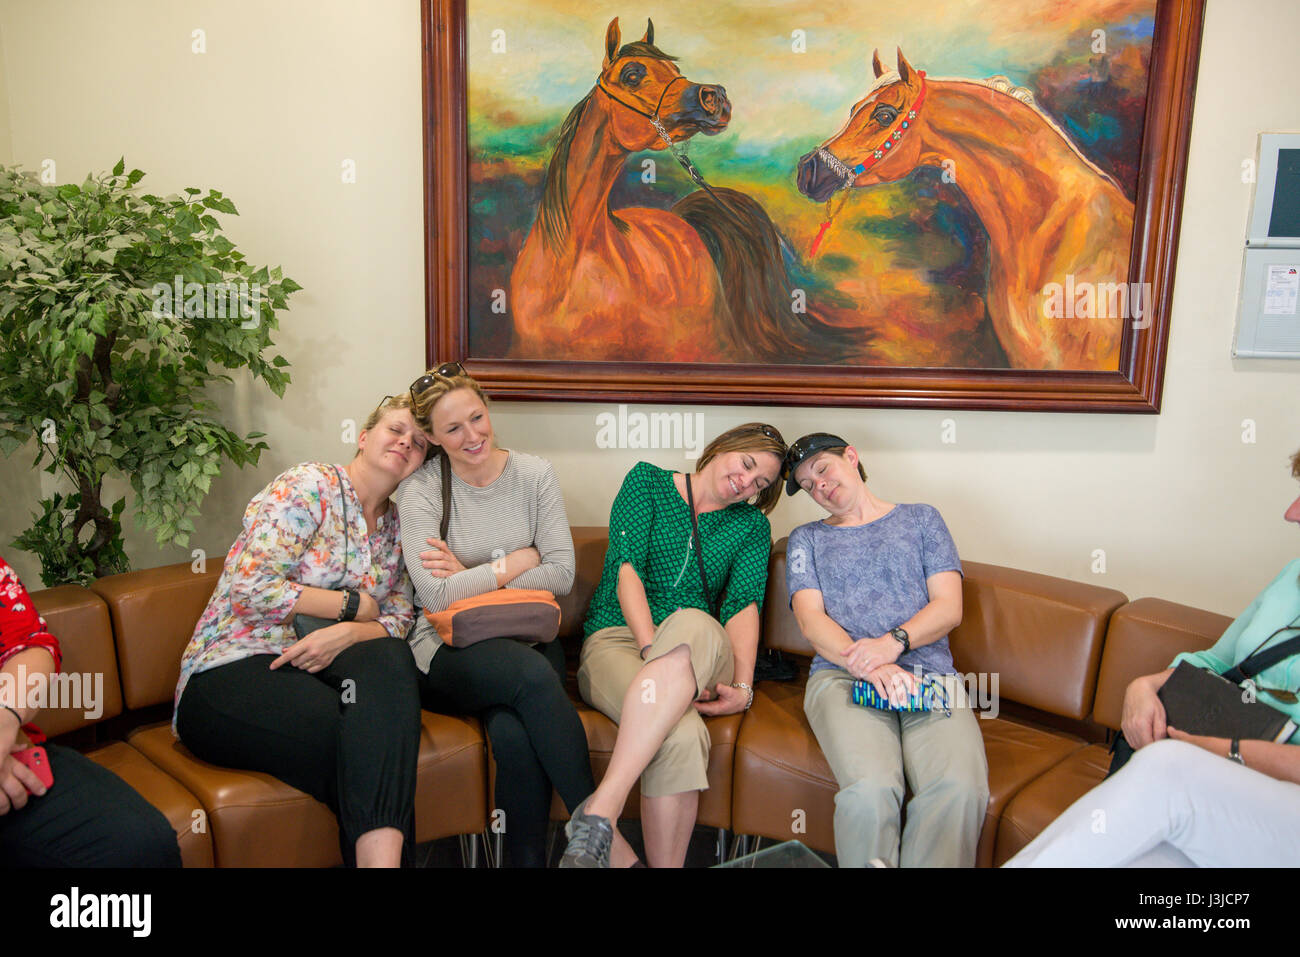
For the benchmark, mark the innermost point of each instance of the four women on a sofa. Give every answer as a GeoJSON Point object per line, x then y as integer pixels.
{"type": "Point", "coordinates": [672, 635]}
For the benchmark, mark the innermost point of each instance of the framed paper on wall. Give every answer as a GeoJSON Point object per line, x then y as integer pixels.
{"type": "Point", "coordinates": [859, 203]}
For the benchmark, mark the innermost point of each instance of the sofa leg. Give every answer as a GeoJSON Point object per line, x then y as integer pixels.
{"type": "Point", "coordinates": [722, 845]}
{"type": "Point", "coordinates": [469, 850]}
{"type": "Point", "coordinates": [498, 849]}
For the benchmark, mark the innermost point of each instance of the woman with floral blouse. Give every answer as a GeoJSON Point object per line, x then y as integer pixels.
{"type": "Point", "coordinates": [335, 713]}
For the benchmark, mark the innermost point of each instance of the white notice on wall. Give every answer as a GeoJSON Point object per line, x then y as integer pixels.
{"type": "Point", "coordinates": [1282, 290]}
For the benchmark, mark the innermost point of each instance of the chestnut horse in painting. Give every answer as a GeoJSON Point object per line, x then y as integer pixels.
{"type": "Point", "coordinates": [703, 282]}
{"type": "Point", "coordinates": [1052, 216]}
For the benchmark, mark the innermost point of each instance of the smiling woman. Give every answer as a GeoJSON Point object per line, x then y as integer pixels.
{"type": "Point", "coordinates": [254, 692]}
{"type": "Point", "coordinates": [678, 607]}
{"type": "Point", "coordinates": [477, 518]}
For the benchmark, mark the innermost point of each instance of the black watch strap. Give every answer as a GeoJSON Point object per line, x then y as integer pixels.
{"type": "Point", "coordinates": [901, 635]}
{"type": "Point", "coordinates": [351, 605]}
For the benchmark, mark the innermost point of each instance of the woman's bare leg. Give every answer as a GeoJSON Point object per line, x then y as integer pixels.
{"type": "Point", "coordinates": [667, 823]}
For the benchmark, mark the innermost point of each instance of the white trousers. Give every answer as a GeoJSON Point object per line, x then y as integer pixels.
{"type": "Point", "coordinates": [1175, 804]}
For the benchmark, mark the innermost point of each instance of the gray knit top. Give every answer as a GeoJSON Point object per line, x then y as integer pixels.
{"type": "Point", "coordinates": [521, 507]}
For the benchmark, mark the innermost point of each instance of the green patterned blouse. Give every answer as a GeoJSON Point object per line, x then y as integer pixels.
{"type": "Point", "coordinates": [650, 528]}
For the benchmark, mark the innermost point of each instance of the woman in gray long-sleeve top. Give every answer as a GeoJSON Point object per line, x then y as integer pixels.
{"type": "Point", "coordinates": [508, 529]}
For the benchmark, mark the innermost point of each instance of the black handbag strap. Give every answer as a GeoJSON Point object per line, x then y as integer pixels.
{"type": "Point", "coordinates": [699, 548]}
{"type": "Point", "coordinates": [343, 494]}
{"type": "Point", "coordinates": [446, 497]}
{"type": "Point", "coordinates": [1263, 660]}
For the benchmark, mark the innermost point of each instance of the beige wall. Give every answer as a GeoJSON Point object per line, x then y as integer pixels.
{"type": "Point", "coordinates": [288, 90]}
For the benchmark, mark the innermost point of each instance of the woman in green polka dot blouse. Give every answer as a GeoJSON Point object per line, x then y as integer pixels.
{"type": "Point", "coordinates": [668, 642]}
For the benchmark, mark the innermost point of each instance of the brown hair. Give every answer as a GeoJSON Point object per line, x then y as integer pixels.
{"type": "Point", "coordinates": [750, 437]}
{"type": "Point", "coordinates": [1295, 465]}
{"type": "Point", "coordinates": [442, 386]}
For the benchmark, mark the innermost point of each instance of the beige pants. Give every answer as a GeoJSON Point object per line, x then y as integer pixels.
{"type": "Point", "coordinates": [610, 663]}
{"type": "Point", "coordinates": [872, 753]}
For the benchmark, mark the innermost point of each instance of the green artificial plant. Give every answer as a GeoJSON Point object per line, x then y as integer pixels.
{"type": "Point", "coordinates": [117, 310]}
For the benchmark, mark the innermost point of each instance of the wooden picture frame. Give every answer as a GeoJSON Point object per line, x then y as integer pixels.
{"type": "Point", "coordinates": [1134, 388]}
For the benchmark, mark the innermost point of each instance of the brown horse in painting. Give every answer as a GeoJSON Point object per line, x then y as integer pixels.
{"type": "Point", "coordinates": [1054, 219]}
{"type": "Point", "coordinates": [704, 282]}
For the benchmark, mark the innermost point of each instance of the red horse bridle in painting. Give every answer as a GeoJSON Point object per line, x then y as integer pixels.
{"type": "Point", "coordinates": [678, 152]}
{"type": "Point", "coordinates": [893, 135]}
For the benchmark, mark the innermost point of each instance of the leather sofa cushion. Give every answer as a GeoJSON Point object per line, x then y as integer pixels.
{"type": "Point", "coordinates": [1043, 800]}
{"type": "Point", "coordinates": [780, 630]}
{"type": "Point", "coordinates": [1041, 635]}
{"type": "Point", "coordinates": [154, 612]}
{"type": "Point", "coordinates": [79, 619]}
{"type": "Point", "coordinates": [1017, 754]}
{"type": "Point", "coordinates": [163, 792]}
{"type": "Point", "coordinates": [589, 543]}
{"type": "Point", "coordinates": [259, 821]}
{"type": "Point", "coordinates": [1143, 638]}
{"type": "Point", "coordinates": [780, 770]}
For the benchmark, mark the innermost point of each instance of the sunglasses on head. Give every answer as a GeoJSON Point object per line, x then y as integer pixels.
{"type": "Point", "coordinates": [448, 370]}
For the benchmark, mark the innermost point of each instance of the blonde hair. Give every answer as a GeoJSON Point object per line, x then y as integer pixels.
{"type": "Point", "coordinates": [390, 404]}
{"type": "Point", "coordinates": [394, 403]}
{"type": "Point", "coordinates": [750, 437]}
{"type": "Point", "coordinates": [441, 387]}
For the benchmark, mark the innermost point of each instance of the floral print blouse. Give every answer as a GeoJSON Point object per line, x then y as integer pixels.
{"type": "Point", "coordinates": [294, 537]}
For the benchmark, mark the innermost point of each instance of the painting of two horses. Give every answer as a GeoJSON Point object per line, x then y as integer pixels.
{"type": "Point", "coordinates": [855, 183]}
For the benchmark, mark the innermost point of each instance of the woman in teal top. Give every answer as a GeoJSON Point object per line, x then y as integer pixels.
{"type": "Point", "coordinates": [672, 634]}
{"type": "Point", "coordinates": [1187, 799]}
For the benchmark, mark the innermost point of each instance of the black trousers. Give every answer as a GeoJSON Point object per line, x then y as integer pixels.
{"type": "Point", "coordinates": [88, 818]}
{"type": "Point", "coordinates": [537, 737]}
{"type": "Point", "coordinates": [348, 735]}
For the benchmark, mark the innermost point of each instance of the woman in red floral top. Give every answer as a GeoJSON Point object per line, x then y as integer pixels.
{"type": "Point", "coordinates": [89, 817]}
{"type": "Point", "coordinates": [336, 713]}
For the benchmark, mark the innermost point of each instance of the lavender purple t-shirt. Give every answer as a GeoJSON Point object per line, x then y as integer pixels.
{"type": "Point", "coordinates": [872, 577]}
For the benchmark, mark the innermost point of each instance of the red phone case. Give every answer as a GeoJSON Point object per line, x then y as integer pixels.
{"type": "Point", "coordinates": [39, 762]}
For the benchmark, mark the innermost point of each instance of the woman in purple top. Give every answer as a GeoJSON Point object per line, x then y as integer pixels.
{"type": "Point", "coordinates": [876, 587]}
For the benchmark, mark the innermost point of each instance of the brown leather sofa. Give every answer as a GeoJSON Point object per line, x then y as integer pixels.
{"type": "Point", "coordinates": [1062, 651]}
{"type": "Point", "coordinates": [134, 627]}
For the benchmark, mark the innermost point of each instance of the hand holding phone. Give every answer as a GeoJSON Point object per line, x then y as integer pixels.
{"type": "Point", "coordinates": [38, 762]}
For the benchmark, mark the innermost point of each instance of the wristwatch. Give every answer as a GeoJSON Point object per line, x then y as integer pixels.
{"type": "Point", "coordinates": [901, 635]}
{"type": "Point", "coordinates": [1234, 752]}
{"type": "Point", "coordinates": [351, 605]}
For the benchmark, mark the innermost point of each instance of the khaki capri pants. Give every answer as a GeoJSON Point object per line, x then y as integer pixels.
{"type": "Point", "coordinates": [874, 755]}
{"type": "Point", "coordinates": [609, 664]}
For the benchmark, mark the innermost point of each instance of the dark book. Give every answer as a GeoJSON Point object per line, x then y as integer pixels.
{"type": "Point", "coordinates": [1199, 701]}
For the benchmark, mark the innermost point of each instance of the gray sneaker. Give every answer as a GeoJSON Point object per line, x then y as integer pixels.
{"type": "Point", "coordinates": [589, 839]}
